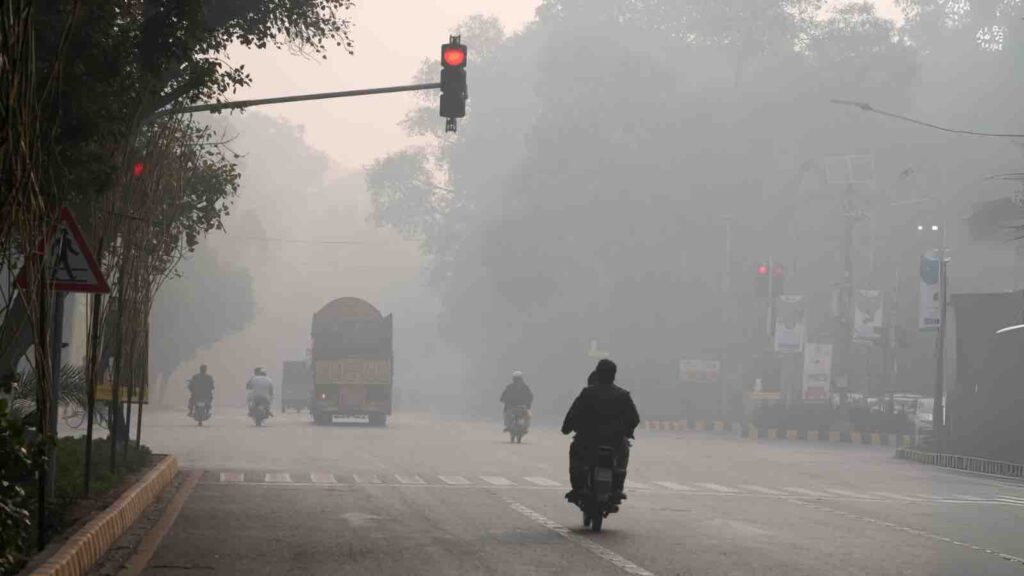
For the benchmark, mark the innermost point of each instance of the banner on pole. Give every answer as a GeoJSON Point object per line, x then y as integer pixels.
{"type": "Point", "coordinates": [929, 307]}
{"type": "Point", "coordinates": [789, 324]}
{"type": "Point", "coordinates": [817, 372]}
{"type": "Point", "coordinates": [699, 371]}
{"type": "Point", "coordinates": [868, 312]}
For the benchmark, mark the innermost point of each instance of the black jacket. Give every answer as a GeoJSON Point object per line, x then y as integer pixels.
{"type": "Point", "coordinates": [602, 413]}
{"type": "Point", "coordinates": [517, 393]}
{"type": "Point", "coordinates": [201, 386]}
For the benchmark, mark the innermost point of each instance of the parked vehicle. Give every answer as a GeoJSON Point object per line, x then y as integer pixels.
{"type": "Point", "coordinates": [352, 362]}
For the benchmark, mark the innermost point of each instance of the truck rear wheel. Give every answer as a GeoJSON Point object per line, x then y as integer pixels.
{"type": "Point", "coordinates": [378, 419]}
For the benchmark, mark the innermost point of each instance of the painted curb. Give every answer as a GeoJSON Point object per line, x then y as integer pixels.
{"type": "Point", "coordinates": [91, 542]}
{"type": "Point", "coordinates": [753, 433]}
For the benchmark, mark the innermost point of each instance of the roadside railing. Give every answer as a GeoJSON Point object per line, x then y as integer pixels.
{"type": "Point", "coordinates": [966, 463]}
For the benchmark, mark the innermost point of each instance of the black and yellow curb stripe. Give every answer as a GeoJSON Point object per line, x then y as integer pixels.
{"type": "Point", "coordinates": [91, 542]}
{"type": "Point", "coordinates": [754, 433]}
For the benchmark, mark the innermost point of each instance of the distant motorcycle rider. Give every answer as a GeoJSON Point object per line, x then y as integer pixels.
{"type": "Point", "coordinates": [516, 394]}
{"type": "Point", "coordinates": [200, 387]}
{"type": "Point", "coordinates": [260, 389]}
{"type": "Point", "coordinates": [602, 415]}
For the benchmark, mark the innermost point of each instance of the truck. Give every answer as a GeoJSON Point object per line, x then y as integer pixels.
{"type": "Point", "coordinates": [296, 385]}
{"type": "Point", "coordinates": [352, 361]}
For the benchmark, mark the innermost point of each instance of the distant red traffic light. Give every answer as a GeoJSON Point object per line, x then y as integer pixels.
{"type": "Point", "coordinates": [138, 169]}
{"type": "Point", "coordinates": [762, 270]}
{"type": "Point", "coordinates": [454, 55]}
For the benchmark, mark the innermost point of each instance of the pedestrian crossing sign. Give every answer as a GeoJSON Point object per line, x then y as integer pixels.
{"type": "Point", "coordinates": [72, 267]}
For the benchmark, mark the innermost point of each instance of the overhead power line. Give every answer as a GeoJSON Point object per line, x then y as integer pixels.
{"type": "Point", "coordinates": [869, 108]}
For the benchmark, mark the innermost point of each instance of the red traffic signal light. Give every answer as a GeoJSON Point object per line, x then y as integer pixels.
{"type": "Point", "coordinates": [138, 169]}
{"type": "Point", "coordinates": [453, 55]}
{"type": "Point", "coordinates": [454, 91]}
{"type": "Point", "coordinates": [762, 270]}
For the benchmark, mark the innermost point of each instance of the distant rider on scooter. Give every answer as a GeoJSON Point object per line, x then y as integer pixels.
{"type": "Point", "coordinates": [200, 387]}
{"type": "Point", "coordinates": [260, 390]}
{"type": "Point", "coordinates": [516, 394]}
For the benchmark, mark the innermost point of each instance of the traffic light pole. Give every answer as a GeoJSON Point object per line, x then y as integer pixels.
{"type": "Point", "coordinates": [218, 106]}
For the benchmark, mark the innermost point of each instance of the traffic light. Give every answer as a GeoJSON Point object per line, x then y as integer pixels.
{"type": "Point", "coordinates": [762, 281]}
{"type": "Point", "coordinates": [454, 91]}
{"type": "Point", "coordinates": [778, 280]}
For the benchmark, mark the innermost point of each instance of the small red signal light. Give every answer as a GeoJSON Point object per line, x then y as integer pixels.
{"type": "Point", "coordinates": [138, 169]}
{"type": "Point", "coordinates": [762, 270]}
{"type": "Point", "coordinates": [454, 56]}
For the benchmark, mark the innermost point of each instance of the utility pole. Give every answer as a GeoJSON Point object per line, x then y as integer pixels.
{"type": "Point", "coordinates": [845, 308]}
{"type": "Point", "coordinates": [938, 411]}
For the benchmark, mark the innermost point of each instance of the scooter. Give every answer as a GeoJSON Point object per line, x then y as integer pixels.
{"type": "Point", "coordinates": [599, 498]}
{"type": "Point", "coordinates": [519, 425]}
{"type": "Point", "coordinates": [201, 411]}
{"type": "Point", "coordinates": [259, 411]}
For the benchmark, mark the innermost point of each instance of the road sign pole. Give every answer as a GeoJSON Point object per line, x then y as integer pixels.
{"type": "Point", "coordinates": [56, 347]}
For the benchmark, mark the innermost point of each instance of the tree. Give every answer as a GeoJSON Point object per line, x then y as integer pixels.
{"type": "Point", "coordinates": [209, 300]}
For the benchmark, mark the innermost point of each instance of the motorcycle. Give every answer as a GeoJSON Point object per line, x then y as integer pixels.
{"type": "Point", "coordinates": [599, 497]}
{"type": "Point", "coordinates": [259, 410]}
{"type": "Point", "coordinates": [519, 425]}
{"type": "Point", "coordinates": [201, 411]}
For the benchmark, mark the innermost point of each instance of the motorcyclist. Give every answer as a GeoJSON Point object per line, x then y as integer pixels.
{"type": "Point", "coordinates": [602, 415]}
{"type": "Point", "coordinates": [516, 394]}
{"type": "Point", "coordinates": [200, 387]}
{"type": "Point", "coordinates": [260, 389]}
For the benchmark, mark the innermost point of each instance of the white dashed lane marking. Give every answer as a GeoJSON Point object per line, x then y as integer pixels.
{"type": "Point", "coordinates": [498, 480]}
{"type": "Point", "coordinates": [762, 490]}
{"type": "Point", "coordinates": [673, 486]}
{"type": "Point", "coordinates": [277, 477]}
{"type": "Point", "coordinates": [806, 492]}
{"type": "Point", "coordinates": [454, 480]}
{"type": "Point", "coordinates": [366, 478]}
{"type": "Point", "coordinates": [322, 478]}
{"type": "Point", "coordinates": [410, 479]}
{"type": "Point", "coordinates": [638, 485]}
{"type": "Point", "coordinates": [716, 487]}
{"type": "Point", "coordinates": [540, 481]}
{"type": "Point", "coordinates": [618, 561]}
{"type": "Point", "coordinates": [232, 477]}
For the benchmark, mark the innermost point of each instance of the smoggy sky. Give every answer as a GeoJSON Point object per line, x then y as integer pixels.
{"type": "Point", "coordinates": [391, 38]}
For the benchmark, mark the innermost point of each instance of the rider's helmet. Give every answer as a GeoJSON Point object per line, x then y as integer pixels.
{"type": "Point", "coordinates": [517, 374]}
{"type": "Point", "coordinates": [258, 371]}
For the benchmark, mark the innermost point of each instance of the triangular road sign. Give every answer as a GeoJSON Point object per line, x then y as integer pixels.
{"type": "Point", "coordinates": [72, 265]}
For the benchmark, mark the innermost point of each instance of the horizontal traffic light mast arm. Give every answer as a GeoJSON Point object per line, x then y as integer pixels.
{"type": "Point", "coordinates": [298, 98]}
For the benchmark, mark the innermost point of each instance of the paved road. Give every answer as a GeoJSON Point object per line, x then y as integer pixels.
{"type": "Point", "coordinates": [453, 497]}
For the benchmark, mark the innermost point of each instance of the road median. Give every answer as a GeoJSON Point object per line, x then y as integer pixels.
{"type": "Point", "coordinates": [86, 546]}
{"type": "Point", "coordinates": [749, 431]}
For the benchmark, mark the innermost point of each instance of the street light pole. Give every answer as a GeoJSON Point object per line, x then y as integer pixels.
{"type": "Point", "coordinates": [938, 412]}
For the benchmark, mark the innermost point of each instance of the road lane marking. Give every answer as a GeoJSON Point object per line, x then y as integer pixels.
{"type": "Point", "coordinates": [970, 498]}
{"type": "Point", "coordinates": [232, 477]}
{"type": "Point", "coordinates": [909, 530]}
{"type": "Point", "coordinates": [409, 479]}
{"type": "Point", "coordinates": [673, 486]}
{"type": "Point", "coordinates": [540, 481]}
{"type": "Point", "coordinates": [762, 490]}
{"type": "Point", "coordinates": [716, 487]}
{"type": "Point", "coordinates": [322, 478]}
{"type": "Point", "coordinates": [897, 496]}
{"type": "Point", "coordinates": [1011, 499]}
{"type": "Point", "coordinates": [618, 561]}
{"type": "Point", "coordinates": [848, 494]}
{"type": "Point", "coordinates": [805, 492]}
{"type": "Point", "coordinates": [454, 480]}
{"type": "Point", "coordinates": [366, 479]}
{"type": "Point", "coordinates": [1014, 501]}
{"type": "Point", "coordinates": [277, 477]}
{"type": "Point", "coordinates": [637, 485]}
{"type": "Point", "coordinates": [498, 480]}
